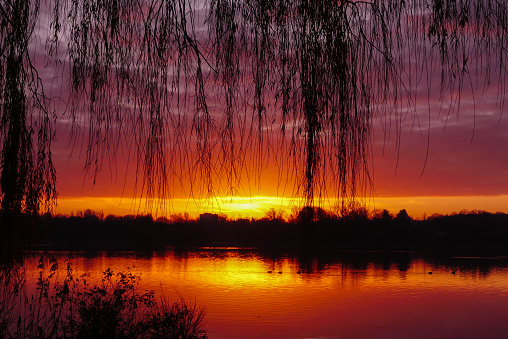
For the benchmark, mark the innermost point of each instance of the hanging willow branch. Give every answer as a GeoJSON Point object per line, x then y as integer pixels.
{"type": "Point", "coordinates": [27, 177]}
{"type": "Point", "coordinates": [331, 67]}
{"type": "Point", "coordinates": [208, 92]}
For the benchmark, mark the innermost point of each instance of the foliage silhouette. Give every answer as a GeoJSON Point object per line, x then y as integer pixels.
{"type": "Point", "coordinates": [360, 230]}
{"type": "Point", "coordinates": [26, 125]}
{"type": "Point", "coordinates": [209, 91]}
{"type": "Point", "coordinates": [74, 308]}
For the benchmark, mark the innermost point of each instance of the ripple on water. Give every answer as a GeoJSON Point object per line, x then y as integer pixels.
{"type": "Point", "coordinates": [350, 295]}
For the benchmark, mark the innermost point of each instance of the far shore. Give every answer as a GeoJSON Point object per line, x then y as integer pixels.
{"type": "Point", "coordinates": [310, 228]}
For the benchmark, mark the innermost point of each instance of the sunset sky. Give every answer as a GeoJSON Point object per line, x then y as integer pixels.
{"type": "Point", "coordinates": [446, 162]}
{"type": "Point", "coordinates": [465, 169]}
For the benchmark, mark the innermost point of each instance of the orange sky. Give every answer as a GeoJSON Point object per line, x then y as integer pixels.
{"type": "Point", "coordinates": [465, 169]}
{"type": "Point", "coordinates": [445, 163]}
{"type": "Point", "coordinates": [256, 207]}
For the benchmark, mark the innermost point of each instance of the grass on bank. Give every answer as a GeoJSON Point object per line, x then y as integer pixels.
{"type": "Point", "coordinates": [74, 308]}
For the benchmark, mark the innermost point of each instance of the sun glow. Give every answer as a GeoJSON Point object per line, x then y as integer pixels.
{"type": "Point", "coordinates": [233, 207]}
{"type": "Point", "coordinates": [258, 206]}
{"type": "Point", "coordinates": [249, 207]}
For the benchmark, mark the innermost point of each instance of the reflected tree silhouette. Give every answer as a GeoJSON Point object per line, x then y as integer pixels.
{"type": "Point", "coordinates": [209, 91]}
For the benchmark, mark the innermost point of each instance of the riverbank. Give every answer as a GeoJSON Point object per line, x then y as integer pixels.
{"type": "Point", "coordinates": [381, 231]}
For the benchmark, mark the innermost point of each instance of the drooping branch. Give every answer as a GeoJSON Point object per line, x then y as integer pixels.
{"type": "Point", "coordinates": [209, 92]}
{"type": "Point", "coordinates": [27, 178]}
{"type": "Point", "coordinates": [333, 66]}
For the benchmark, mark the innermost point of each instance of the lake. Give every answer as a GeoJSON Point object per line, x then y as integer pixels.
{"type": "Point", "coordinates": [330, 294]}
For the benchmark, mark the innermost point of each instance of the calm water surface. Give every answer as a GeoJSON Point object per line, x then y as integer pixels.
{"type": "Point", "coordinates": [344, 294]}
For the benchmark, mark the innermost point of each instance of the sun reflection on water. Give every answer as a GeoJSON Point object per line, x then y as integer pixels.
{"type": "Point", "coordinates": [249, 293]}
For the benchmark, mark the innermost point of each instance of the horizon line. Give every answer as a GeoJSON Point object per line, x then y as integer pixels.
{"type": "Point", "coordinates": [257, 206]}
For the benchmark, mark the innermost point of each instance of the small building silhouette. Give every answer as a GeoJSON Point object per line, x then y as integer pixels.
{"type": "Point", "coordinates": [209, 218]}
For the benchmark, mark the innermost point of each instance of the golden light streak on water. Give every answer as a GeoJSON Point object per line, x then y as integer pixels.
{"type": "Point", "coordinates": [350, 294]}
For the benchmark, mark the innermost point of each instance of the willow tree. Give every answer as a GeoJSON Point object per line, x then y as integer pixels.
{"type": "Point", "coordinates": [27, 174]}
{"type": "Point", "coordinates": [209, 91]}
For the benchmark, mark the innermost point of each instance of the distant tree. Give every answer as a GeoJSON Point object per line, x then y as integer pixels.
{"type": "Point", "coordinates": [273, 214]}
{"type": "Point", "coordinates": [402, 215]}
{"type": "Point", "coordinates": [163, 220]}
{"type": "Point", "coordinates": [382, 215]}
{"type": "Point", "coordinates": [88, 213]}
{"type": "Point", "coordinates": [223, 218]}
{"type": "Point", "coordinates": [177, 218]}
{"type": "Point", "coordinates": [355, 212]}
{"type": "Point", "coordinates": [207, 90]}
{"type": "Point", "coordinates": [309, 215]}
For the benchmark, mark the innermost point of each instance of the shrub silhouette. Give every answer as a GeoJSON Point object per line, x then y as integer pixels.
{"type": "Point", "coordinates": [74, 308]}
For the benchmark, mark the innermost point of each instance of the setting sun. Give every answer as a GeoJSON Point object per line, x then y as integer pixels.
{"type": "Point", "coordinates": [257, 207]}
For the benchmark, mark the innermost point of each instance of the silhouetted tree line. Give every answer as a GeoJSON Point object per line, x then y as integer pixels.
{"type": "Point", "coordinates": [355, 229]}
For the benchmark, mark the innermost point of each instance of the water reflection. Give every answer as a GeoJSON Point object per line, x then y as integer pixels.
{"type": "Point", "coordinates": [253, 293]}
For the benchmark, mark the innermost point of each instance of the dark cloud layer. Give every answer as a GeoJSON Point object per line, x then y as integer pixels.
{"type": "Point", "coordinates": [467, 153]}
